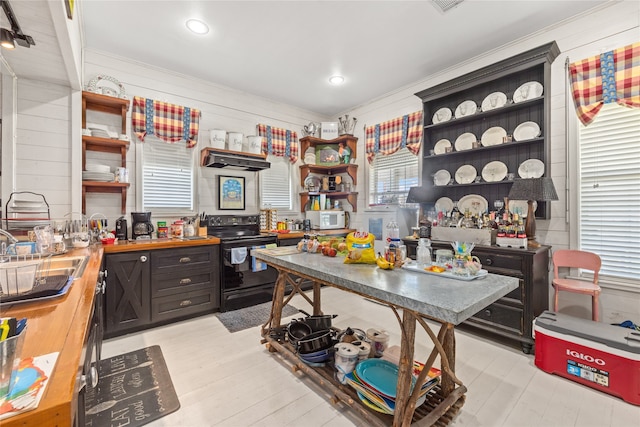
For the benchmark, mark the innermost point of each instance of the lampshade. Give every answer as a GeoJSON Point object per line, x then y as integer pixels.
{"type": "Point", "coordinates": [537, 189]}
{"type": "Point", "coordinates": [7, 39]}
{"type": "Point", "coordinates": [418, 195]}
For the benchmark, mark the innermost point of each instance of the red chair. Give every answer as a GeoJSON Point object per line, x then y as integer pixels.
{"type": "Point", "coordinates": [577, 259]}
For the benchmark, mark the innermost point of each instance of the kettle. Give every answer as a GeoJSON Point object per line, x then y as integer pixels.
{"type": "Point", "coordinates": [121, 229]}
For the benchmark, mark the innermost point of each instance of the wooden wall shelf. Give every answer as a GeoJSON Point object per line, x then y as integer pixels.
{"type": "Point", "coordinates": [111, 105]}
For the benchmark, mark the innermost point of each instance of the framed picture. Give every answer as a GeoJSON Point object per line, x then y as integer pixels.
{"type": "Point", "coordinates": [328, 155]}
{"type": "Point", "coordinates": [231, 192]}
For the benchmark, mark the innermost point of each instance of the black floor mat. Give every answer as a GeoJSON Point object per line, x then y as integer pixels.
{"type": "Point", "coordinates": [133, 389]}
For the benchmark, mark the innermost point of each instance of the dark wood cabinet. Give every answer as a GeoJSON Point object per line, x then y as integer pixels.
{"type": "Point", "coordinates": [512, 315]}
{"type": "Point", "coordinates": [512, 78]}
{"type": "Point", "coordinates": [150, 288]}
{"type": "Point", "coordinates": [128, 306]}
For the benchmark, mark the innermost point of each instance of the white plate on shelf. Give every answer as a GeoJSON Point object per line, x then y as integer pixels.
{"type": "Point", "coordinates": [532, 168]}
{"type": "Point", "coordinates": [444, 204]}
{"type": "Point", "coordinates": [442, 115]}
{"type": "Point", "coordinates": [441, 146]}
{"type": "Point", "coordinates": [494, 171]}
{"type": "Point", "coordinates": [527, 91]}
{"type": "Point", "coordinates": [526, 130]}
{"type": "Point", "coordinates": [465, 141]}
{"type": "Point", "coordinates": [442, 177]}
{"type": "Point", "coordinates": [493, 136]}
{"type": "Point", "coordinates": [494, 100]}
{"type": "Point", "coordinates": [474, 202]}
{"type": "Point", "coordinates": [521, 207]}
{"type": "Point", "coordinates": [465, 174]}
{"type": "Point", "coordinates": [465, 109]}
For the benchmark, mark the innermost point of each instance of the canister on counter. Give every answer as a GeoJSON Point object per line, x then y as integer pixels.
{"type": "Point", "coordinates": [177, 228]}
{"type": "Point", "coordinates": [163, 230]}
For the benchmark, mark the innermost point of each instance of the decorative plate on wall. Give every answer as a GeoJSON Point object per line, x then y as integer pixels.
{"type": "Point", "coordinates": [527, 91]}
{"type": "Point", "coordinates": [442, 177]}
{"type": "Point", "coordinates": [442, 115]}
{"type": "Point", "coordinates": [465, 141]}
{"type": "Point", "coordinates": [526, 130]}
{"type": "Point", "coordinates": [466, 108]}
{"type": "Point", "coordinates": [493, 136]}
{"type": "Point", "coordinates": [441, 146]}
{"type": "Point", "coordinates": [494, 171]}
{"type": "Point", "coordinates": [494, 100]}
{"type": "Point", "coordinates": [465, 174]}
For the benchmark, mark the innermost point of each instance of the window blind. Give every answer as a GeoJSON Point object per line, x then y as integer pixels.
{"type": "Point", "coordinates": [391, 176]}
{"type": "Point", "coordinates": [167, 176]}
{"type": "Point", "coordinates": [275, 184]}
{"type": "Point", "coordinates": [610, 190]}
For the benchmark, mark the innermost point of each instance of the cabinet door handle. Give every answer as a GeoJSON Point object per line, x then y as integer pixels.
{"type": "Point", "coordinates": [185, 303]}
{"type": "Point", "coordinates": [143, 258]}
{"type": "Point", "coordinates": [488, 261]}
{"type": "Point", "coordinates": [487, 312]}
{"type": "Point", "coordinates": [185, 281]}
{"type": "Point", "coordinates": [184, 260]}
{"type": "Point", "coordinates": [90, 378]}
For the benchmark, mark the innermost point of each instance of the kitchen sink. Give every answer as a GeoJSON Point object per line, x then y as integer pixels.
{"type": "Point", "coordinates": [67, 266]}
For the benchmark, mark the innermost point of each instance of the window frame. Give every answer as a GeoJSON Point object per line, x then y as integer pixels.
{"type": "Point", "coordinates": [282, 161]}
{"type": "Point", "coordinates": [370, 184]}
{"type": "Point", "coordinates": [573, 173]}
{"type": "Point", "coordinates": [166, 211]}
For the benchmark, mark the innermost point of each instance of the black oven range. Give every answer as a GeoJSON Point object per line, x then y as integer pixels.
{"type": "Point", "coordinates": [243, 281]}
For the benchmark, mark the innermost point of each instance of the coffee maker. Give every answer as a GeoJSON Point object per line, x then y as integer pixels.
{"type": "Point", "coordinates": [121, 229]}
{"type": "Point", "coordinates": [141, 226]}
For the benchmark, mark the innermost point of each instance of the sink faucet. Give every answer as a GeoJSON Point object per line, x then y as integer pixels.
{"type": "Point", "coordinates": [9, 236]}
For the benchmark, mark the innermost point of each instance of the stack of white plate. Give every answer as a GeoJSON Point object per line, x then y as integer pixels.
{"type": "Point", "coordinates": [101, 133]}
{"type": "Point", "coordinates": [97, 176]}
{"type": "Point", "coordinates": [94, 167]}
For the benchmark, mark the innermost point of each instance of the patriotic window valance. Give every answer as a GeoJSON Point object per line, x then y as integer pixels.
{"type": "Point", "coordinates": [279, 142]}
{"type": "Point", "coordinates": [169, 122]}
{"type": "Point", "coordinates": [388, 137]}
{"type": "Point", "coordinates": [613, 76]}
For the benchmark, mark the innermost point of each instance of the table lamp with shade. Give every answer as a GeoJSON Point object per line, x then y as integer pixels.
{"type": "Point", "coordinates": [532, 189]}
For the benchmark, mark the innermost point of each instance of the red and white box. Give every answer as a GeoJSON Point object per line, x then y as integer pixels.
{"type": "Point", "coordinates": [595, 354]}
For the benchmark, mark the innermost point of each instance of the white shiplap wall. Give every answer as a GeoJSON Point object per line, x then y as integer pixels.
{"type": "Point", "coordinates": [610, 27]}
{"type": "Point", "coordinates": [221, 107]}
{"type": "Point", "coordinates": [44, 150]}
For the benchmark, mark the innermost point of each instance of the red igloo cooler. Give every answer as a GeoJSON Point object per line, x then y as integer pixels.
{"type": "Point", "coordinates": [598, 355]}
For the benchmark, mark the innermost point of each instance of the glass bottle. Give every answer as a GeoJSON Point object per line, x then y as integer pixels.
{"type": "Point", "coordinates": [393, 232]}
{"type": "Point", "coordinates": [467, 221]}
{"type": "Point", "coordinates": [423, 253]}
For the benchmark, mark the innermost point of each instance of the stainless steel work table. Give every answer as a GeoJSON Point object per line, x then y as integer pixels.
{"type": "Point", "coordinates": [419, 296]}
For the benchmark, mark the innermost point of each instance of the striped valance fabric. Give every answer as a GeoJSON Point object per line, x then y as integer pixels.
{"type": "Point", "coordinates": [279, 142]}
{"type": "Point", "coordinates": [169, 122]}
{"type": "Point", "coordinates": [613, 76]}
{"type": "Point", "coordinates": [390, 136]}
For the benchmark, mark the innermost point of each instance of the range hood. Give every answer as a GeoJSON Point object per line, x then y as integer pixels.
{"type": "Point", "coordinates": [234, 160]}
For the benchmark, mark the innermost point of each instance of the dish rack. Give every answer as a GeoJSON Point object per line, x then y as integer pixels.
{"type": "Point", "coordinates": [25, 210]}
{"type": "Point", "coordinates": [21, 274]}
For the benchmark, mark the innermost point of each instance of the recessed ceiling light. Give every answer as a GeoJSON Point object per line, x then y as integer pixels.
{"type": "Point", "coordinates": [336, 80]}
{"type": "Point", "coordinates": [197, 26]}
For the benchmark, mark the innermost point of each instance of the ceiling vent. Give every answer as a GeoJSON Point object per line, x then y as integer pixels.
{"type": "Point", "coordinates": [443, 6]}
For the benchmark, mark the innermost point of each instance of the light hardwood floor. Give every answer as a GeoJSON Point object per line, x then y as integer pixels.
{"type": "Point", "coordinates": [225, 379]}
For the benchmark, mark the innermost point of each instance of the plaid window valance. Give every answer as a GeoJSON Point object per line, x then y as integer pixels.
{"type": "Point", "coordinates": [279, 142]}
{"type": "Point", "coordinates": [169, 122]}
{"type": "Point", "coordinates": [613, 76]}
{"type": "Point", "coordinates": [388, 137]}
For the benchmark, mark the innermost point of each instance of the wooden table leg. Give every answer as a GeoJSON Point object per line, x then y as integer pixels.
{"type": "Point", "coordinates": [408, 332]}
{"type": "Point", "coordinates": [278, 299]}
{"type": "Point", "coordinates": [449, 346]}
{"type": "Point", "coordinates": [317, 304]}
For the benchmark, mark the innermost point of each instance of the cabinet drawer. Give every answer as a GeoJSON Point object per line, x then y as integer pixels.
{"type": "Point", "coordinates": [185, 281]}
{"type": "Point", "coordinates": [186, 304]}
{"type": "Point", "coordinates": [500, 316]}
{"type": "Point", "coordinates": [167, 261]}
{"type": "Point", "coordinates": [498, 263]}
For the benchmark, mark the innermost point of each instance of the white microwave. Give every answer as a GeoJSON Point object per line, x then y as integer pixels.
{"type": "Point", "coordinates": [326, 220]}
